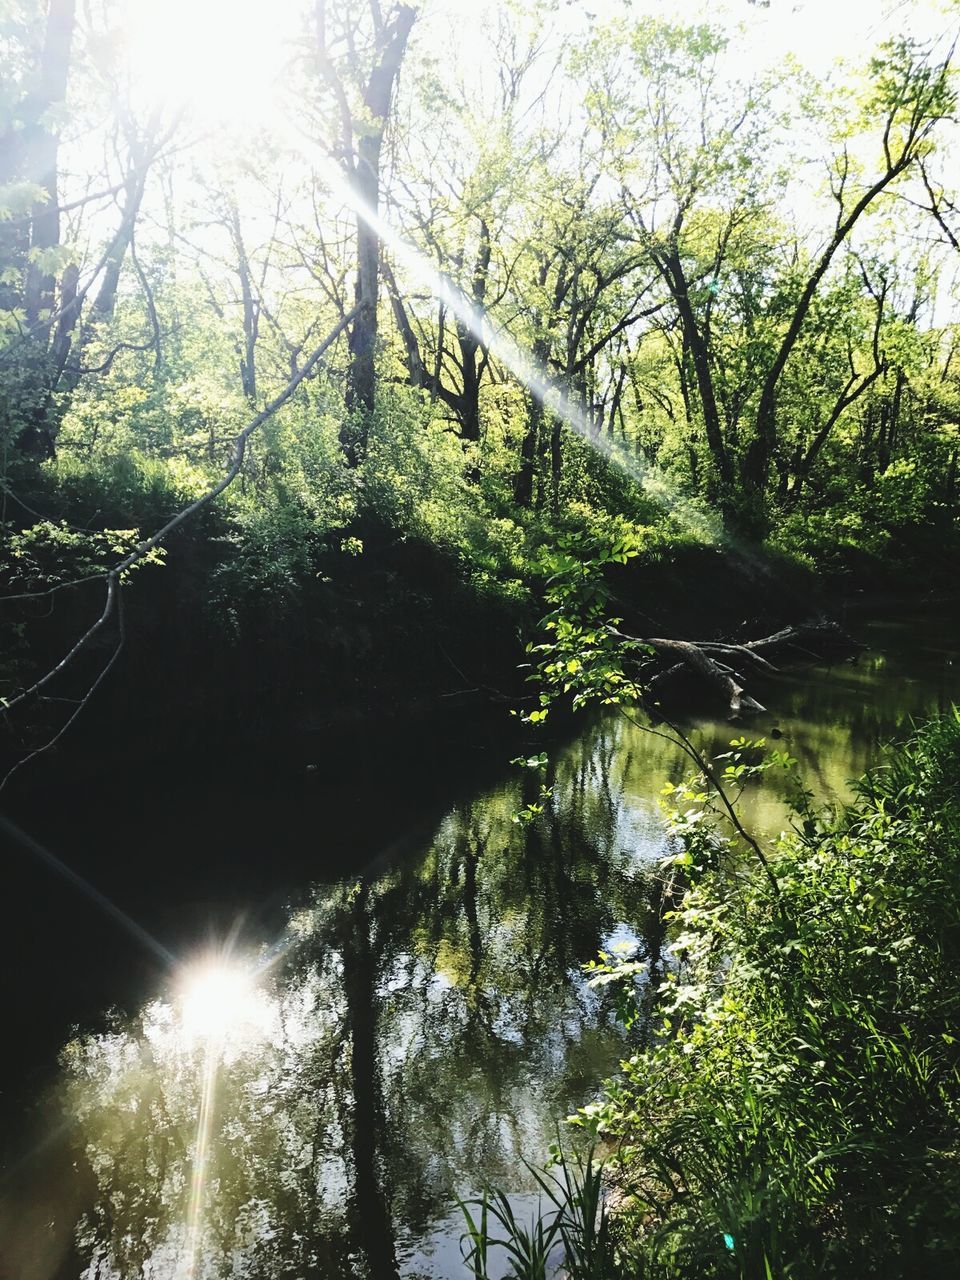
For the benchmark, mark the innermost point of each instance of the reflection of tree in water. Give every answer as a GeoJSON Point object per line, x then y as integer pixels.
{"type": "Point", "coordinates": [424, 1027]}
{"type": "Point", "coordinates": [370, 1218]}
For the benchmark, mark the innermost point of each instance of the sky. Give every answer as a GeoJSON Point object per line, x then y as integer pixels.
{"type": "Point", "coordinates": [229, 59]}
{"type": "Point", "coordinates": [228, 55]}
{"type": "Point", "coordinates": [817, 32]}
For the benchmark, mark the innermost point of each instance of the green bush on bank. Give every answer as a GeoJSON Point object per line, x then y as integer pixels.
{"type": "Point", "coordinates": [313, 586]}
{"type": "Point", "coordinates": [297, 514]}
{"type": "Point", "coordinates": [797, 1110]}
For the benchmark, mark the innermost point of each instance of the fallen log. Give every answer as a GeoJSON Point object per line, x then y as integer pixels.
{"type": "Point", "coordinates": [725, 678]}
{"type": "Point", "coordinates": [712, 661]}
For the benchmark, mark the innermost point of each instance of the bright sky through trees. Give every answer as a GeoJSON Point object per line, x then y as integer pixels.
{"type": "Point", "coordinates": [341, 340]}
{"type": "Point", "coordinates": [225, 56]}
{"type": "Point", "coordinates": [219, 57]}
{"type": "Point", "coordinates": [229, 64]}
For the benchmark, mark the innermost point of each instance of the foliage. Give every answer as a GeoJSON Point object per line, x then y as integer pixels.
{"type": "Point", "coordinates": [583, 653]}
{"type": "Point", "coordinates": [796, 1110]}
{"type": "Point", "coordinates": [578, 1225]}
{"type": "Point", "coordinates": [606, 329]}
{"type": "Point", "coordinates": [54, 555]}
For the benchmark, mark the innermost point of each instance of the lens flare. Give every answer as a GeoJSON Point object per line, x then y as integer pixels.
{"type": "Point", "coordinates": [204, 55]}
{"type": "Point", "coordinates": [218, 1000]}
{"type": "Point", "coordinates": [221, 1009]}
{"type": "Point", "coordinates": [522, 364]}
{"type": "Point", "coordinates": [201, 1160]}
{"type": "Point", "coordinates": [704, 525]}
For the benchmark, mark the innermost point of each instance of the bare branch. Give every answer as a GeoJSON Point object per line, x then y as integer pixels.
{"type": "Point", "coordinates": [113, 576]}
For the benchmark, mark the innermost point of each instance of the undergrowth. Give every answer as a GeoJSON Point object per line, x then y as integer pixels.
{"type": "Point", "coordinates": [796, 1110]}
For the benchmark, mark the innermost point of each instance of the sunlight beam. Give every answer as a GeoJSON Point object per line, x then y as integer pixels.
{"type": "Point", "coordinates": [220, 1005]}
{"type": "Point", "coordinates": [201, 1160]}
{"type": "Point", "coordinates": [522, 364]}
{"type": "Point", "coordinates": [88, 890]}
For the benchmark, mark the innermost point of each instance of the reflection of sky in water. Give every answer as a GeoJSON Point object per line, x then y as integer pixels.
{"type": "Point", "coordinates": [437, 1253]}
{"type": "Point", "coordinates": [417, 1030]}
{"type": "Point", "coordinates": [623, 938]}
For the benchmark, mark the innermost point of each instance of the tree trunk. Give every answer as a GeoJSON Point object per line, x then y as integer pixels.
{"type": "Point", "coordinates": [711, 660]}
{"type": "Point", "coordinates": [556, 462]}
{"type": "Point", "coordinates": [696, 345]}
{"type": "Point", "coordinates": [391, 44]}
{"type": "Point", "coordinates": [251, 308]}
{"type": "Point", "coordinates": [469, 343]}
{"type": "Point", "coordinates": [42, 154]}
{"type": "Point", "coordinates": [523, 481]}
{"type": "Point", "coordinates": [106, 299]}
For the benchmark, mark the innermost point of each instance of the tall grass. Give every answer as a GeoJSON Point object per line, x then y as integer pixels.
{"type": "Point", "coordinates": [574, 1231]}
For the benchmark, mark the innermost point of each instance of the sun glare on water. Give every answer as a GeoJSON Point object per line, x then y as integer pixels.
{"type": "Point", "coordinates": [219, 1001]}
{"type": "Point", "coordinates": [222, 1011]}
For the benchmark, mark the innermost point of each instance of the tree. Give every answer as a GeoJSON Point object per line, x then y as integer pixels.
{"type": "Point", "coordinates": [459, 199]}
{"type": "Point", "coordinates": [360, 65]}
{"type": "Point", "coordinates": [698, 181]}
{"type": "Point", "coordinates": [30, 145]}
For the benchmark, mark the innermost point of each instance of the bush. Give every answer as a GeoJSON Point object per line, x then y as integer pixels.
{"type": "Point", "coordinates": [797, 1110]}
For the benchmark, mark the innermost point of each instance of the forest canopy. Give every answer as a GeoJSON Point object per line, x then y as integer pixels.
{"type": "Point", "coordinates": [283, 289]}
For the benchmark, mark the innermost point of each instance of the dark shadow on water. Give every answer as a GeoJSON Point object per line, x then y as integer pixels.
{"type": "Point", "coordinates": [426, 1022]}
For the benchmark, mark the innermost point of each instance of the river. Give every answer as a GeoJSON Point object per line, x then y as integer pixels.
{"type": "Point", "coordinates": [337, 1004]}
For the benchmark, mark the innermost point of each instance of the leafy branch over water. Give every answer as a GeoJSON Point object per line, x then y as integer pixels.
{"type": "Point", "coordinates": [795, 1108]}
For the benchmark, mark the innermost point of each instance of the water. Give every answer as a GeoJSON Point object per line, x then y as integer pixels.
{"type": "Point", "coordinates": [377, 1001]}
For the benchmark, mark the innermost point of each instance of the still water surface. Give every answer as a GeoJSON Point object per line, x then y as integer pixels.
{"type": "Point", "coordinates": [334, 1057]}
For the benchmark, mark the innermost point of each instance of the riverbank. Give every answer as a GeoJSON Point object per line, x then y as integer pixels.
{"type": "Point", "coordinates": [794, 1108]}
{"type": "Point", "coordinates": [386, 635]}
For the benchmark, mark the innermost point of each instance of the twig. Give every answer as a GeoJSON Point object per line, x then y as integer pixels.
{"type": "Point", "coordinates": [108, 608]}
{"type": "Point", "coordinates": [105, 671]}
{"type": "Point", "coordinates": [114, 576]}
{"type": "Point", "coordinates": [700, 760]}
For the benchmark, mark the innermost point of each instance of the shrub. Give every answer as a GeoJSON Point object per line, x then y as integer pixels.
{"type": "Point", "coordinates": [797, 1109]}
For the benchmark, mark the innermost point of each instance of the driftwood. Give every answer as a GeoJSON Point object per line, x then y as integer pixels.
{"type": "Point", "coordinates": [712, 661]}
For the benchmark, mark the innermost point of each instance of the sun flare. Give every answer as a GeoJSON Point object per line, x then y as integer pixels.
{"type": "Point", "coordinates": [219, 1000]}
{"type": "Point", "coordinates": [218, 59]}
